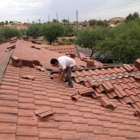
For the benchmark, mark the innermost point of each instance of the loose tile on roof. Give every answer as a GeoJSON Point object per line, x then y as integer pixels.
{"type": "Point", "coordinates": [91, 62]}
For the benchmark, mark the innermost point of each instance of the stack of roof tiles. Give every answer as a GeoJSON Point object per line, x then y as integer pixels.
{"type": "Point", "coordinates": [90, 62]}
{"type": "Point", "coordinates": [81, 119]}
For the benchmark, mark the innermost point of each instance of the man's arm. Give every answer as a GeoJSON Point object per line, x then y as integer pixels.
{"type": "Point", "coordinates": [62, 74]}
{"type": "Point", "coordinates": [60, 71]}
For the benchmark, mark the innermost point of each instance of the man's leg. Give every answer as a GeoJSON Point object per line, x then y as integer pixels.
{"type": "Point", "coordinates": [68, 77]}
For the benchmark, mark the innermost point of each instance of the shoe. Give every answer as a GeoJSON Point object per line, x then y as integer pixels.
{"type": "Point", "coordinates": [65, 81]}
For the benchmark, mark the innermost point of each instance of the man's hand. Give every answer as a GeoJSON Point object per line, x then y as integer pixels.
{"type": "Point", "coordinates": [60, 72]}
{"type": "Point", "coordinates": [61, 79]}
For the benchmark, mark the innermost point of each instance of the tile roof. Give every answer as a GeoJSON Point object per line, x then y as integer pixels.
{"type": "Point", "coordinates": [5, 53]}
{"type": "Point", "coordinates": [81, 119]}
{"type": "Point", "coordinates": [121, 82]}
{"type": "Point", "coordinates": [30, 54]}
{"type": "Point", "coordinates": [71, 49]}
{"type": "Point", "coordinates": [65, 49]}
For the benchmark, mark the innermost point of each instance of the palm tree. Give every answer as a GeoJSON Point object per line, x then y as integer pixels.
{"type": "Point", "coordinates": [65, 21]}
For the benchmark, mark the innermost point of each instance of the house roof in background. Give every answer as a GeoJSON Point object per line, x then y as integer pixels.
{"type": "Point", "coordinates": [65, 49]}
{"type": "Point", "coordinates": [117, 18]}
{"type": "Point", "coordinates": [84, 118]}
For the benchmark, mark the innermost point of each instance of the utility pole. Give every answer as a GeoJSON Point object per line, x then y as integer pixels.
{"type": "Point", "coordinates": [48, 19]}
{"type": "Point", "coordinates": [68, 20]}
{"type": "Point", "coordinates": [56, 16]}
{"type": "Point", "coordinates": [77, 19]}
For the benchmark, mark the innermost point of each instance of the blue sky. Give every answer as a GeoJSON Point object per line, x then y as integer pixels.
{"type": "Point", "coordinates": [32, 10]}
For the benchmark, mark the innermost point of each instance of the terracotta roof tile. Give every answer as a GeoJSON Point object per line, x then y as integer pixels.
{"type": "Point", "coordinates": [26, 137]}
{"type": "Point", "coordinates": [7, 137]}
{"type": "Point", "coordinates": [7, 128]}
{"type": "Point", "coordinates": [25, 100]}
{"type": "Point", "coordinates": [26, 130]}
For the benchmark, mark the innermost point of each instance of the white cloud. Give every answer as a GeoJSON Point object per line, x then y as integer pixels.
{"type": "Point", "coordinates": [21, 10]}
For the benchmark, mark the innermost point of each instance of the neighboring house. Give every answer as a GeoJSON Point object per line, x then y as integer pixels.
{"type": "Point", "coordinates": [114, 22]}
{"type": "Point", "coordinates": [103, 105]}
{"type": "Point", "coordinates": [18, 26]}
{"type": "Point", "coordinates": [85, 24]}
{"type": "Point", "coordinates": [1, 26]}
{"type": "Point", "coordinates": [116, 19]}
{"type": "Point", "coordinates": [114, 25]}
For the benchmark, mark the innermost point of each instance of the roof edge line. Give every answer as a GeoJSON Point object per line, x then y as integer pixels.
{"type": "Point", "coordinates": [4, 66]}
{"type": "Point", "coordinates": [56, 71]}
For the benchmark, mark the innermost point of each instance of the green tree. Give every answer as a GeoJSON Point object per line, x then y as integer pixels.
{"type": "Point", "coordinates": [2, 23]}
{"type": "Point", "coordinates": [85, 39]}
{"type": "Point", "coordinates": [100, 22]}
{"type": "Point", "coordinates": [65, 21]}
{"type": "Point", "coordinates": [34, 30]}
{"type": "Point", "coordinates": [11, 22]}
{"type": "Point", "coordinates": [92, 22]}
{"type": "Point", "coordinates": [6, 22]}
{"type": "Point", "coordinates": [91, 38]}
{"type": "Point", "coordinates": [135, 15]}
{"type": "Point", "coordinates": [23, 33]}
{"type": "Point", "coordinates": [123, 42]}
{"type": "Point", "coordinates": [55, 20]}
{"type": "Point", "coordinates": [132, 16]}
{"type": "Point", "coordinates": [69, 30]}
{"type": "Point", "coordinates": [106, 23]}
{"type": "Point", "coordinates": [52, 30]}
{"type": "Point", "coordinates": [7, 32]}
{"type": "Point", "coordinates": [129, 17]}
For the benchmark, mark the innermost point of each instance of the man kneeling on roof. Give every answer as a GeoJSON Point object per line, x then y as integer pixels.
{"type": "Point", "coordinates": [66, 64]}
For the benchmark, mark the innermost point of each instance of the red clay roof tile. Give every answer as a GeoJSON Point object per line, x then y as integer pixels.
{"type": "Point", "coordinates": [87, 91]}
{"type": "Point", "coordinates": [137, 63]}
{"type": "Point", "coordinates": [107, 103]}
{"type": "Point", "coordinates": [75, 97]}
{"type": "Point", "coordinates": [26, 130]}
{"type": "Point", "coordinates": [108, 87]}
